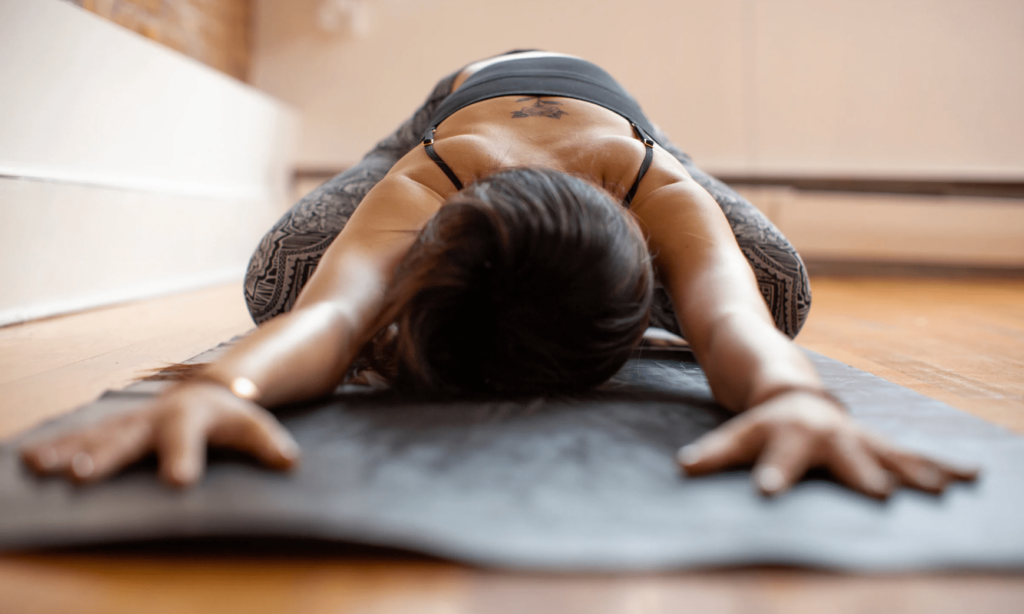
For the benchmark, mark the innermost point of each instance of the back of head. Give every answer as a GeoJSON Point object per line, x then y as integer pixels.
{"type": "Point", "coordinates": [528, 281]}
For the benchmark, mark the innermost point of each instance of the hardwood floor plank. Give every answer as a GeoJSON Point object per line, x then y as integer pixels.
{"type": "Point", "coordinates": [51, 366]}
{"type": "Point", "coordinates": [88, 584]}
{"type": "Point", "coordinates": [959, 341]}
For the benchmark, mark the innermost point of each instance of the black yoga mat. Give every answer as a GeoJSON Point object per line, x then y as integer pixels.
{"type": "Point", "coordinates": [575, 484]}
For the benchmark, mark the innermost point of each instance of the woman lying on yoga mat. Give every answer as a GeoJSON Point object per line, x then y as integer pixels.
{"type": "Point", "coordinates": [502, 242]}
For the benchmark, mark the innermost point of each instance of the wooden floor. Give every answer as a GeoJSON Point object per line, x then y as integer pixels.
{"type": "Point", "coordinates": [959, 341]}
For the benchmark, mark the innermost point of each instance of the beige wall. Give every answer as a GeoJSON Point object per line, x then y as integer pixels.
{"type": "Point", "coordinates": [918, 88]}
{"type": "Point", "coordinates": [354, 89]}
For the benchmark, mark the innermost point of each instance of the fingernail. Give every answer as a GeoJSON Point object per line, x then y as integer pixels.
{"type": "Point", "coordinates": [928, 477]}
{"type": "Point", "coordinates": [688, 455]}
{"type": "Point", "coordinates": [769, 479]}
{"type": "Point", "coordinates": [82, 465]}
{"type": "Point", "coordinates": [881, 482]}
{"type": "Point", "coordinates": [46, 457]}
{"type": "Point", "coordinates": [181, 472]}
{"type": "Point", "coordinates": [290, 450]}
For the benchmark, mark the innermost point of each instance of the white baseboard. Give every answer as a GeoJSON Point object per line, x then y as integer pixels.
{"type": "Point", "coordinates": [897, 228]}
{"type": "Point", "coordinates": [136, 292]}
{"type": "Point", "coordinates": [68, 247]}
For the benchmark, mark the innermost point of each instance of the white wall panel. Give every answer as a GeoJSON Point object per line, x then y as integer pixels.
{"type": "Point", "coordinates": [942, 230]}
{"type": "Point", "coordinates": [67, 247]}
{"type": "Point", "coordinates": [85, 101]}
{"type": "Point", "coordinates": [126, 169]}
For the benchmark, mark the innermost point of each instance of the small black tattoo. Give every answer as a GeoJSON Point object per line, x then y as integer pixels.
{"type": "Point", "coordinates": [540, 108]}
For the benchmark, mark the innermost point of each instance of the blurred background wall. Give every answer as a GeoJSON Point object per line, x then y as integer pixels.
{"type": "Point", "coordinates": [909, 89]}
{"type": "Point", "coordinates": [867, 88]}
{"type": "Point", "coordinates": [875, 133]}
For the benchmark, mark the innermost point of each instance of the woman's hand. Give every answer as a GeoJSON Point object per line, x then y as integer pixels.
{"type": "Point", "coordinates": [792, 432]}
{"type": "Point", "coordinates": [177, 425]}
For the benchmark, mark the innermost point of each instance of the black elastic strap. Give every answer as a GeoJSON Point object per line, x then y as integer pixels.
{"type": "Point", "coordinates": [646, 164]}
{"type": "Point", "coordinates": [428, 146]}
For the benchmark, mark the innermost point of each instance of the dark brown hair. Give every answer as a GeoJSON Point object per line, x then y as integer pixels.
{"type": "Point", "coordinates": [528, 281]}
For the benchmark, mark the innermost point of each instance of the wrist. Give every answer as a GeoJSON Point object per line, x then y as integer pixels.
{"type": "Point", "coordinates": [810, 389]}
{"type": "Point", "coordinates": [241, 387]}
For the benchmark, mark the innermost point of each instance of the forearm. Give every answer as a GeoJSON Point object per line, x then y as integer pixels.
{"type": "Point", "coordinates": [744, 356]}
{"type": "Point", "coordinates": [305, 353]}
{"type": "Point", "coordinates": [747, 360]}
{"type": "Point", "coordinates": [296, 356]}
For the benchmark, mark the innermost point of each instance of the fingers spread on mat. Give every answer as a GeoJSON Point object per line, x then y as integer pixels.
{"type": "Point", "coordinates": [791, 433]}
{"type": "Point", "coordinates": [178, 426]}
{"type": "Point", "coordinates": [737, 442]}
{"type": "Point", "coordinates": [94, 452]}
{"type": "Point", "coordinates": [916, 471]}
{"type": "Point", "coordinates": [258, 433]}
{"type": "Point", "coordinates": [853, 465]}
{"type": "Point", "coordinates": [182, 447]}
{"type": "Point", "coordinates": [785, 459]}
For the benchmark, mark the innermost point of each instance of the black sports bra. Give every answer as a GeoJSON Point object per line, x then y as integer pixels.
{"type": "Point", "coordinates": [559, 76]}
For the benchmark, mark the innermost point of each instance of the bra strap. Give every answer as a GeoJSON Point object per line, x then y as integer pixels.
{"type": "Point", "coordinates": [428, 146]}
{"type": "Point", "coordinates": [644, 166]}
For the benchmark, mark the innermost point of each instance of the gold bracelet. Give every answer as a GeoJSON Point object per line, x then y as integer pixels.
{"type": "Point", "coordinates": [241, 387]}
{"type": "Point", "coordinates": [818, 392]}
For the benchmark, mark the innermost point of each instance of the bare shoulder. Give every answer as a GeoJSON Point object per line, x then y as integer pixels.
{"type": "Point", "coordinates": [669, 196]}
{"type": "Point", "coordinates": [687, 232]}
{"type": "Point", "coordinates": [696, 253]}
{"type": "Point", "coordinates": [405, 199]}
{"type": "Point", "coordinates": [376, 237]}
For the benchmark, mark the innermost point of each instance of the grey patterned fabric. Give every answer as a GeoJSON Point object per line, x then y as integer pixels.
{"type": "Point", "coordinates": [289, 253]}
{"type": "Point", "coordinates": [781, 274]}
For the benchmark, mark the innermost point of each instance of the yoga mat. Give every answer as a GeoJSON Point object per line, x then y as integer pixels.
{"type": "Point", "coordinates": [571, 484]}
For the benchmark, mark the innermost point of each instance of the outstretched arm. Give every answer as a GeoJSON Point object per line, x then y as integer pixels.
{"type": "Point", "coordinates": [790, 423]}
{"type": "Point", "coordinates": [305, 353]}
{"type": "Point", "coordinates": [299, 355]}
